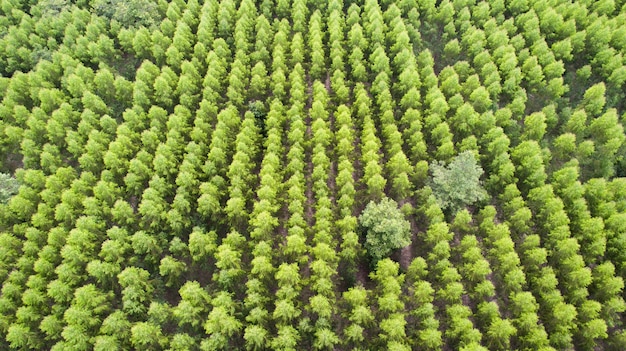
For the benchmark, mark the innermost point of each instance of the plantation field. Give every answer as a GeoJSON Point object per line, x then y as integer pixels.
{"type": "Point", "coordinates": [312, 175]}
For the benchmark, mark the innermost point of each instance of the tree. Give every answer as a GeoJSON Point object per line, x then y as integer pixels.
{"type": "Point", "coordinates": [594, 99]}
{"type": "Point", "coordinates": [136, 290]}
{"type": "Point", "coordinates": [21, 336]}
{"type": "Point", "coordinates": [146, 336]}
{"type": "Point", "coordinates": [499, 333]}
{"type": "Point", "coordinates": [457, 184]}
{"type": "Point", "coordinates": [171, 268]}
{"type": "Point", "coordinates": [385, 227]}
{"type": "Point", "coordinates": [608, 135]}
{"type": "Point", "coordinates": [221, 324]}
{"type": "Point", "coordinates": [129, 14]}
{"type": "Point", "coordinates": [325, 339]}
{"type": "Point", "coordinates": [287, 338]}
{"type": "Point", "coordinates": [9, 186]}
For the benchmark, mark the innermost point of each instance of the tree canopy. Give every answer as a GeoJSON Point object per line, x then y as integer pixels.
{"type": "Point", "coordinates": [385, 228]}
{"type": "Point", "coordinates": [8, 187]}
{"type": "Point", "coordinates": [457, 184]}
{"type": "Point", "coordinates": [133, 13]}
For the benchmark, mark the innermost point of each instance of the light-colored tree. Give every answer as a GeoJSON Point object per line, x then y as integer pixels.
{"type": "Point", "coordinates": [385, 227]}
{"type": "Point", "coordinates": [8, 187]}
{"type": "Point", "coordinates": [457, 184]}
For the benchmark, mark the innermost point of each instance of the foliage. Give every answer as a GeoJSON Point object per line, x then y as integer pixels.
{"type": "Point", "coordinates": [134, 13]}
{"type": "Point", "coordinates": [9, 186]}
{"type": "Point", "coordinates": [385, 228]}
{"type": "Point", "coordinates": [190, 174]}
{"type": "Point", "coordinates": [457, 184]}
{"type": "Point", "coordinates": [260, 115]}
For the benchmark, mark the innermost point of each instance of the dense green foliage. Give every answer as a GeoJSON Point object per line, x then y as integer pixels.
{"type": "Point", "coordinates": [385, 228]}
{"type": "Point", "coordinates": [191, 174]}
{"type": "Point", "coordinates": [134, 13]}
{"type": "Point", "coordinates": [457, 184]}
{"type": "Point", "coordinates": [8, 187]}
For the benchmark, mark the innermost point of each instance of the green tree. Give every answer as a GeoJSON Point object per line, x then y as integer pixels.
{"type": "Point", "coordinates": [385, 227]}
{"type": "Point", "coordinates": [287, 338]}
{"type": "Point", "coordinates": [172, 269]}
{"type": "Point", "coordinates": [146, 336]}
{"type": "Point", "coordinates": [457, 184]}
{"type": "Point", "coordinates": [594, 99]}
{"type": "Point", "coordinates": [256, 337]}
{"type": "Point", "coordinates": [136, 290]}
{"type": "Point", "coordinates": [192, 309]}
{"type": "Point", "coordinates": [221, 324]}
{"type": "Point", "coordinates": [9, 186]}
{"type": "Point", "coordinates": [129, 13]}
{"type": "Point", "coordinates": [325, 339]}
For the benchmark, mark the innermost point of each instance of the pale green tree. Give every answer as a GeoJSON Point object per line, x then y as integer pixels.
{"type": "Point", "coordinates": [385, 228]}
{"type": "Point", "coordinates": [8, 187]}
{"type": "Point", "coordinates": [457, 184]}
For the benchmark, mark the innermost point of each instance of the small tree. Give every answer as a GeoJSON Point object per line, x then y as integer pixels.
{"type": "Point", "coordinates": [385, 227]}
{"type": "Point", "coordinates": [9, 186]}
{"type": "Point", "coordinates": [457, 184]}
